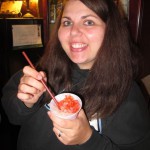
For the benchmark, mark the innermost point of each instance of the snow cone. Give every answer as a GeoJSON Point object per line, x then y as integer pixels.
{"type": "Point", "coordinates": [70, 105]}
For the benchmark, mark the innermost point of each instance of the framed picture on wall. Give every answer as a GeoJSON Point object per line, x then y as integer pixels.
{"type": "Point", "coordinates": [123, 6]}
{"type": "Point", "coordinates": [26, 36]}
{"type": "Point", "coordinates": [24, 33]}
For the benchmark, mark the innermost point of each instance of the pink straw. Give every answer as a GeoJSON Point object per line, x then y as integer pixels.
{"type": "Point", "coordinates": [43, 82]}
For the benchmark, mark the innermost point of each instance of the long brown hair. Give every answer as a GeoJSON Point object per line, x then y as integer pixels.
{"type": "Point", "coordinates": [110, 77]}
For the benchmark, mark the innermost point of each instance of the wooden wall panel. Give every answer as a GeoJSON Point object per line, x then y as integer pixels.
{"type": "Point", "coordinates": [43, 9]}
{"type": "Point", "coordinates": [135, 15]}
{"type": "Point", "coordinates": [139, 21]}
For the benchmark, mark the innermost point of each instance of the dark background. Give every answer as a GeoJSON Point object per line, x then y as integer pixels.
{"type": "Point", "coordinates": [12, 61]}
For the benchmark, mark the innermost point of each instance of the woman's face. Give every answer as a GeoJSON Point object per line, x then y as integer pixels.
{"type": "Point", "coordinates": [81, 33]}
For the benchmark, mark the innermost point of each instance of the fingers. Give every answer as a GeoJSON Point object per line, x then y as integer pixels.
{"type": "Point", "coordinates": [24, 96]}
{"type": "Point", "coordinates": [31, 80]}
{"type": "Point", "coordinates": [43, 75]}
{"type": "Point", "coordinates": [29, 98]}
{"type": "Point", "coordinates": [73, 131]}
{"type": "Point", "coordinates": [29, 84]}
{"type": "Point", "coordinates": [63, 123]}
{"type": "Point", "coordinates": [31, 87]}
{"type": "Point", "coordinates": [28, 71]}
{"type": "Point", "coordinates": [58, 121]}
{"type": "Point", "coordinates": [58, 133]}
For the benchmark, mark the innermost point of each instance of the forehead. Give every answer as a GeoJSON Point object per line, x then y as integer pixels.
{"type": "Point", "coordinates": [76, 6]}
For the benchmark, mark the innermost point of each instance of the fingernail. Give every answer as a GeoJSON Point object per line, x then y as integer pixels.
{"type": "Point", "coordinates": [39, 76]}
{"type": "Point", "coordinates": [48, 112]}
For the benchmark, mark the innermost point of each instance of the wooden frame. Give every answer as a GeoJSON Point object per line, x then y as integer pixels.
{"type": "Point", "coordinates": [135, 17]}
{"type": "Point", "coordinates": [43, 9]}
{"type": "Point", "coordinates": [10, 22]}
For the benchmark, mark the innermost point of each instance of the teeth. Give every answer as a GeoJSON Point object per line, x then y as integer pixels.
{"type": "Point", "coordinates": [78, 45]}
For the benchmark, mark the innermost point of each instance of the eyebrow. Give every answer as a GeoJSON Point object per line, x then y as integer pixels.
{"type": "Point", "coordinates": [66, 18]}
{"type": "Point", "coordinates": [83, 17]}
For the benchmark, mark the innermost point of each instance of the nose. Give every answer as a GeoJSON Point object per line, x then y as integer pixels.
{"type": "Point", "coordinates": [75, 30]}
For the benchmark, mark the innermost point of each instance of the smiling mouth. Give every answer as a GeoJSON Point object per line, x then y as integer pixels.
{"type": "Point", "coordinates": [78, 45]}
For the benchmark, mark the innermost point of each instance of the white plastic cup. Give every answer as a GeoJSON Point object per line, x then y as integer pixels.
{"type": "Point", "coordinates": [59, 113]}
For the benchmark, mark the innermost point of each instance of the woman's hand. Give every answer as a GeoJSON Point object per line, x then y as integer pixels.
{"type": "Point", "coordinates": [72, 132]}
{"type": "Point", "coordinates": [30, 87]}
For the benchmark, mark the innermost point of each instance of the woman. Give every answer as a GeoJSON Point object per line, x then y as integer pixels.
{"type": "Point", "coordinates": [90, 56]}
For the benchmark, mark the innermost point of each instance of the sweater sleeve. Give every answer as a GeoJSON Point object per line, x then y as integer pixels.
{"type": "Point", "coordinates": [98, 142]}
{"type": "Point", "coordinates": [15, 109]}
{"type": "Point", "coordinates": [127, 128]}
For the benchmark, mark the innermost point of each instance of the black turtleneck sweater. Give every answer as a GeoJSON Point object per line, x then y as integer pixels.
{"type": "Point", "coordinates": [127, 129]}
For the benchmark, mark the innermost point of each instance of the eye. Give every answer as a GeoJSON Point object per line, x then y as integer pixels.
{"type": "Point", "coordinates": [66, 23]}
{"type": "Point", "coordinates": [89, 23]}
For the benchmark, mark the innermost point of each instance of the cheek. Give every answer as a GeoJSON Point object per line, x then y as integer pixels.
{"type": "Point", "coordinates": [62, 36]}
{"type": "Point", "coordinates": [96, 39]}
{"type": "Point", "coordinates": [97, 34]}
